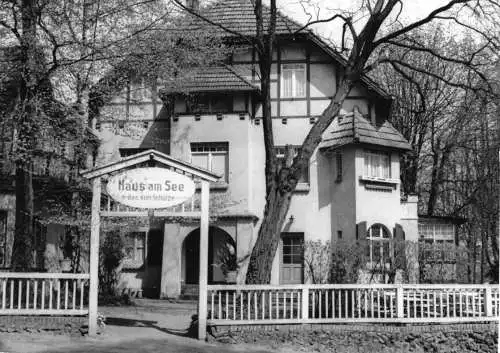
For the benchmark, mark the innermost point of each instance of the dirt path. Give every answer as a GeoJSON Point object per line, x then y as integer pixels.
{"type": "Point", "coordinates": [151, 326]}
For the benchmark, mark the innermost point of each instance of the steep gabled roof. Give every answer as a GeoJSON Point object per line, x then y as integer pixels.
{"type": "Point", "coordinates": [238, 16]}
{"type": "Point", "coordinates": [210, 79]}
{"type": "Point", "coordinates": [354, 128]}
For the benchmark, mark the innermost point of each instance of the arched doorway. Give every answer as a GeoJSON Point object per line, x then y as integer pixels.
{"type": "Point", "coordinates": [217, 238]}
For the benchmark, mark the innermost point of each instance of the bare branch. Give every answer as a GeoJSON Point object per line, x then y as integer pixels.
{"type": "Point", "coordinates": [419, 23]}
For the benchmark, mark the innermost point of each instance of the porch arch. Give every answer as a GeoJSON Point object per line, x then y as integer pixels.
{"type": "Point", "coordinates": [217, 238]}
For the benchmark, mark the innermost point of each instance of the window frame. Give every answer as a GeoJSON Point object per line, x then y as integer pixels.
{"type": "Point", "coordinates": [127, 152]}
{"type": "Point", "coordinates": [379, 240]}
{"type": "Point", "coordinates": [205, 103]}
{"type": "Point", "coordinates": [296, 243]}
{"type": "Point", "coordinates": [131, 263]}
{"type": "Point", "coordinates": [223, 151]}
{"type": "Point", "coordinates": [367, 168]}
{"type": "Point", "coordinates": [339, 164]}
{"type": "Point", "coordinates": [429, 242]}
{"type": "Point", "coordinates": [294, 81]}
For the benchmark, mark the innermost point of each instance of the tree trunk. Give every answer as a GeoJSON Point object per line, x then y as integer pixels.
{"type": "Point", "coordinates": [280, 190]}
{"type": "Point", "coordinates": [22, 251]}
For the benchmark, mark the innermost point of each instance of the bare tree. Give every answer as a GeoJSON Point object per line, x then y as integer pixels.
{"type": "Point", "coordinates": [65, 48]}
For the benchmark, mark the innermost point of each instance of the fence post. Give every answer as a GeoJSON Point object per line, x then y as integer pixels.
{"type": "Point", "coordinates": [400, 313]}
{"type": "Point", "coordinates": [488, 305]}
{"type": "Point", "coordinates": [305, 303]}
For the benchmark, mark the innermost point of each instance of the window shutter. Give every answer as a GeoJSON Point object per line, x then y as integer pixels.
{"type": "Point", "coordinates": [399, 247]}
{"type": "Point", "coordinates": [399, 233]}
{"type": "Point", "coordinates": [361, 231]}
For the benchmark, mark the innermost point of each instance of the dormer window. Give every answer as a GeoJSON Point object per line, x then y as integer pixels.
{"type": "Point", "coordinates": [377, 165]}
{"type": "Point", "coordinates": [293, 82]}
{"type": "Point", "coordinates": [210, 103]}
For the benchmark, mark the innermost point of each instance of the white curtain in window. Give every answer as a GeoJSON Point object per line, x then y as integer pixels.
{"type": "Point", "coordinates": [201, 160]}
{"type": "Point", "coordinates": [300, 82]}
{"type": "Point", "coordinates": [219, 164]}
{"type": "Point", "coordinates": [377, 165]}
{"type": "Point", "coordinates": [293, 80]}
{"type": "Point", "coordinates": [287, 83]}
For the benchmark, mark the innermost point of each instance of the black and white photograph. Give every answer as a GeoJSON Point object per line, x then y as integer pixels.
{"type": "Point", "coordinates": [266, 176]}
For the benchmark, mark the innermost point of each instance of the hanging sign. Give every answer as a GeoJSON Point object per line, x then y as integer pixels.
{"type": "Point", "coordinates": [150, 188]}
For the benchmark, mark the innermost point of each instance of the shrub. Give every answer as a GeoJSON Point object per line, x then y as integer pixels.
{"type": "Point", "coordinates": [110, 257]}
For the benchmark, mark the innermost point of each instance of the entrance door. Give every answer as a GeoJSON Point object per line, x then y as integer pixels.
{"type": "Point", "coordinates": [292, 258]}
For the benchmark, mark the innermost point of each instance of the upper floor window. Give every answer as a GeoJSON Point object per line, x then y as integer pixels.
{"type": "Point", "coordinates": [377, 164]}
{"type": "Point", "coordinates": [210, 103]}
{"type": "Point", "coordinates": [293, 82]}
{"type": "Point", "coordinates": [280, 156]}
{"type": "Point", "coordinates": [379, 245]}
{"type": "Point", "coordinates": [212, 156]}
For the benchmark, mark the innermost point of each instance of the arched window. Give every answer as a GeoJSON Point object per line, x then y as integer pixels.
{"type": "Point", "coordinates": [379, 241]}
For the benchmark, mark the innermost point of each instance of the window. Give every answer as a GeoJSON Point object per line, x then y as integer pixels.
{"type": "Point", "coordinates": [212, 156]}
{"type": "Point", "coordinates": [135, 248]}
{"type": "Point", "coordinates": [126, 152]}
{"type": "Point", "coordinates": [377, 165]}
{"type": "Point", "coordinates": [379, 245]}
{"type": "Point", "coordinates": [293, 83]}
{"type": "Point", "coordinates": [292, 259]}
{"type": "Point", "coordinates": [292, 250]}
{"type": "Point", "coordinates": [280, 156]}
{"type": "Point", "coordinates": [338, 161]}
{"type": "Point", "coordinates": [139, 90]}
{"type": "Point", "coordinates": [437, 241]}
{"type": "Point", "coordinates": [210, 103]}
{"type": "Point", "coordinates": [3, 237]}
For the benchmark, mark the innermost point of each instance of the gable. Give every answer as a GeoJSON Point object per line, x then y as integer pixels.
{"type": "Point", "coordinates": [232, 17]}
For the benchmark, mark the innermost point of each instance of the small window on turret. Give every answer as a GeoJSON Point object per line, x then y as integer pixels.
{"type": "Point", "coordinates": [338, 159]}
{"type": "Point", "coordinates": [377, 165]}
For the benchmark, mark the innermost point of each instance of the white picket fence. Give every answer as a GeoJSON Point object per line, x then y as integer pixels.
{"type": "Point", "coordinates": [336, 303]}
{"type": "Point", "coordinates": [44, 293]}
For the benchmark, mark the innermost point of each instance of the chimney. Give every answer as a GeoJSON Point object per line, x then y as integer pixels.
{"type": "Point", "coordinates": [193, 4]}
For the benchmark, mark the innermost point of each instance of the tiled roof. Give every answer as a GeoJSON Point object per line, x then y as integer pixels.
{"type": "Point", "coordinates": [207, 79]}
{"type": "Point", "coordinates": [238, 16]}
{"type": "Point", "coordinates": [354, 128]}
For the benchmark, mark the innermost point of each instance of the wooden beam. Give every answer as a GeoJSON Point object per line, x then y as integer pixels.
{"type": "Point", "coordinates": [95, 224]}
{"type": "Point", "coordinates": [151, 155]}
{"type": "Point", "coordinates": [203, 282]}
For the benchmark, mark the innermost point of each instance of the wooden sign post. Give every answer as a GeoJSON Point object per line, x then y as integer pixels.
{"type": "Point", "coordinates": [203, 281]}
{"type": "Point", "coordinates": [95, 225]}
{"type": "Point", "coordinates": [150, 188]}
